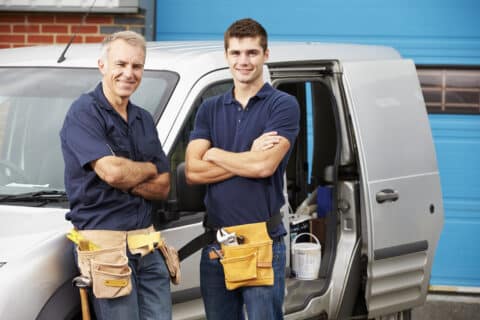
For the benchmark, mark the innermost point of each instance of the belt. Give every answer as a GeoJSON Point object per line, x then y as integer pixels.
{"type": "Point", "coordinates": [141, 241]}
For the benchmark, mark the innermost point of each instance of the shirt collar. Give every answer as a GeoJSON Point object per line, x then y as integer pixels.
{"type": "Point", "coordinates": [103, 102]}
{"type": "Point", "coordinates": [264, 92]}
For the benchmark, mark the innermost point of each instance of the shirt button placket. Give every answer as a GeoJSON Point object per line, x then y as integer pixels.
{"type": "Point", "coordinates": [239, 116]}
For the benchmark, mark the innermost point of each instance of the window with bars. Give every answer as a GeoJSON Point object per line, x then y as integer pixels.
{"type": "Point", "coordinates": [450, 90]}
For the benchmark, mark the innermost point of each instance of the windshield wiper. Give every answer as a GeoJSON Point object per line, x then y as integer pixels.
{"type": "Point", "coordinates": [42, 196]}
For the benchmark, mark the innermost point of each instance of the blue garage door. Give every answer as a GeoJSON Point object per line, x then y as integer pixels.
{"type": "Point", "coordinates": [429, 31]}
{"type": "Point", "coordinates": [457, 142]}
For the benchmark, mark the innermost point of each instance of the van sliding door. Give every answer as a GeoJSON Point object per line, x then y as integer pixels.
{"type": "Point", "coordinates": [402, 213]}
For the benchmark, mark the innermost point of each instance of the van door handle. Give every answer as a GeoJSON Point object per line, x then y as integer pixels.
{"type": "Point", "coordinates": [387, 195]}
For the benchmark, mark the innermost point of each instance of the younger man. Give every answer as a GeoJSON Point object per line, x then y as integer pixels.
{"type": "Point", "coordinates": [239, 147]}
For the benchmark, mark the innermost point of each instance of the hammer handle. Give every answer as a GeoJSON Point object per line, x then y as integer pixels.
{"type": "Point", "coordinates": [84, 302]}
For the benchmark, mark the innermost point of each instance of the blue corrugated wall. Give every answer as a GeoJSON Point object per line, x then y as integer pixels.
{"type": "Point", "coordinates": [431, 32]}
{"type": "Point", "coordinates": [457, 141]}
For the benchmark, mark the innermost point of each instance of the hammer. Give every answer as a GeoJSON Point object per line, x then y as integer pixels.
{"type": "Point", "coordinates": [82, 283]}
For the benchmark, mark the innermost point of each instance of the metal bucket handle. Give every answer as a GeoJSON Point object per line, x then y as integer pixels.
{"type": "Point", "coordinates": [305, 234]}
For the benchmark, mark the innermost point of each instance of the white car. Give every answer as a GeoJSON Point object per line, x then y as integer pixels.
{"type": "Point", "coordinates": [364, 135]}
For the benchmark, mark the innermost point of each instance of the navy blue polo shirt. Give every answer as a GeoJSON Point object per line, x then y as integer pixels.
{"type": "Point", "coordinates": [228, 126]}
{"type": "Point", "coordinates": [93, 129]}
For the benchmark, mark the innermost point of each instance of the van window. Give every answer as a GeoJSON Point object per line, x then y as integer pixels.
{"type": "Point", "coordinates": [33, 104]}
{"type": "Point", "coordinates": [177, 154]}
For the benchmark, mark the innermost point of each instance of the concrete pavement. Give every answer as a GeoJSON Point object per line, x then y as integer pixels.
{"type": "Point", "coordinates": [451, 306]}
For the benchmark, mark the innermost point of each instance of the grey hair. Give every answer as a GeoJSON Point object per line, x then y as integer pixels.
{"type": "Point", "coordinates": [131, 37]}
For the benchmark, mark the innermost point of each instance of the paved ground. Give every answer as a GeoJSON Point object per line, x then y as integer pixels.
{"type": "Point", "coordinates": [449, 307]}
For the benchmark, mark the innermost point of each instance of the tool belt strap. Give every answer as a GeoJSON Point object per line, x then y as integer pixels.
{"type": "Point", "coordinates": [141, 241]}
{"type": "Point", "coordinates": [149, 240]}
{"type": "Point", "coordinates": [144, 241]}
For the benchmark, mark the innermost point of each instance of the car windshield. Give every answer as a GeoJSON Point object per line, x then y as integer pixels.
{"type": "Point", "coordinates": [33, 104]}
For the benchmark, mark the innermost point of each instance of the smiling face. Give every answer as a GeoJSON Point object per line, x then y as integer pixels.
{"type": "Point", "coordinates": [246, 57]}
{"type": "Point", "coordinates": [122, 70]}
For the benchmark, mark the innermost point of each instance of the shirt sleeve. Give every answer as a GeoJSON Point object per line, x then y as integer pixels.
{"type": "Point", "coordinates": [84, 134]}
{"type": "Point", "coordinates": [201, 129]}
{"type": "Point", "coordinates": [285, 118]}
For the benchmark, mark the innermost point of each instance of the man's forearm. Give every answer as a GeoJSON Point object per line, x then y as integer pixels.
{"type": "Point", "coordinates": [256, 163]}
{"type": "Point", "coordinates": [156, 188]}
{"type": "Point", "coordinates": [204, 172]}
{"type": "Point", "coordinates": [123, 173]}
{"type": "Point", "coordinates": [251, 164]}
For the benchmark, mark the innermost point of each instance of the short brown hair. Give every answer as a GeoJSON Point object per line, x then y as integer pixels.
{"type": "Point", "coordinates": [246, 28]}
{"type": "Point", "coordinates": [131, 37]}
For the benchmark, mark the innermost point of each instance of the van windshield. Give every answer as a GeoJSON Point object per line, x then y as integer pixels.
{"type": "Point", "coordinates": [33, 104]}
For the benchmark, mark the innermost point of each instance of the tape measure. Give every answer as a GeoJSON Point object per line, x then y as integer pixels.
{"type": "Point", "coordinates": [76, 238]}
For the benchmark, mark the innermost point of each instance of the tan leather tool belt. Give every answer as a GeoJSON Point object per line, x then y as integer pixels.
{"type": "Point", "coordinates": [102, 257]}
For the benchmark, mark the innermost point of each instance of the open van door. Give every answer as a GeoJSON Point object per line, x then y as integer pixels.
{"type": "Point", "coordinates": [401, 203]}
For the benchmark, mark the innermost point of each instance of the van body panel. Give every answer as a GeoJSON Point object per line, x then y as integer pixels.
{"type": "Point", "coordinates": [399, 181]}
{"type": "Point", "coordinates": [24, 232]}
{"type": "Point", "coordinates": [387, 200]}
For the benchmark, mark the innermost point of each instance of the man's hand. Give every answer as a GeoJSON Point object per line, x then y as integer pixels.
{"type": "Point", "coordinates": [156, 188]}
{"type": "Point", "coordinates": [265, 141]}
{"type": "Point", "coordinates": [250, 164]}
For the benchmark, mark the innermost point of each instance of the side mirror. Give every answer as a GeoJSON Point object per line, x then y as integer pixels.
{"type": "Point", "coordinates": [189, 197]}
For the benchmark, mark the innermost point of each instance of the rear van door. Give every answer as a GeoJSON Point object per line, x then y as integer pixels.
{"type": "Point", "coordinates": [400, 196]}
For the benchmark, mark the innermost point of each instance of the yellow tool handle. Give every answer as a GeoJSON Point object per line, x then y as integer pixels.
{"type": "Point", "coordinates": [84, 302]}
{"type": "Point", "coordinates": [84, 245]}
{"type": "Point", "coordinates": [77, 238]}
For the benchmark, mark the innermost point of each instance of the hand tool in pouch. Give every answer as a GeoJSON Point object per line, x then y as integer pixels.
{"type": "Point", "coordinates": [83, 283]}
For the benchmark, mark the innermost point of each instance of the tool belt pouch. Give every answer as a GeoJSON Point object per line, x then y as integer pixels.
{"type": "Point", "coordinates": [250, 263]}
{"type": "Point", "coordinates": [172, 261]}
{"type": "Point", "coordinates": [111, 280]}
{"type": "Point", "coordinates": [108, 266]}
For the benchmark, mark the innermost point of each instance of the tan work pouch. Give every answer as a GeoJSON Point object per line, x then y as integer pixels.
{"type": "Point", "coordinates": [248, 264]}
{"type": "Point", "coordinates": [108, 266]}
{"type": "Point", "coordinates": [172, 261]}
{"type": "Point", "coordinates": [111, 280]}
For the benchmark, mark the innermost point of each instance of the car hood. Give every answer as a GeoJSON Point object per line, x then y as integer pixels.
{"type": "Point", "coordinates": [25, 228]}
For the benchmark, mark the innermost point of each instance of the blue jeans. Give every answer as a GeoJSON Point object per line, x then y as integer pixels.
{"type": "Point", "coordinates": [260, 303]}
{"type": "Point", "coordinates": [150, 297]}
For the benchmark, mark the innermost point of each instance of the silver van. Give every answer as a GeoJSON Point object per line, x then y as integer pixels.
{"type": "Point", "coordinates": [364, 136]}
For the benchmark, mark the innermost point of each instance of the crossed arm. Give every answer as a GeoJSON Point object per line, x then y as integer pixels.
{"type": "Point", "coordinates": [209, 165]}
{"type": "Point", "coordinates": [140, 178]}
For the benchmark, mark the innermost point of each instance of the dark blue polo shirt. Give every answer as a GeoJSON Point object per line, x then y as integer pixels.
{"type": "Point", "coordinates": [228, 126]}
{"type": "Point", "coordinates": [93, 129]}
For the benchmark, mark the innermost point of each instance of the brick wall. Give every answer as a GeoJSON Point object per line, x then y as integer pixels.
{"type": "Point", "coordinates": [19, 29]}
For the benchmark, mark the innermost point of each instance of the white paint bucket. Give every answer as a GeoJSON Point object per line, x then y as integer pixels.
{"type": "Point", "coordinates": [306, 258]}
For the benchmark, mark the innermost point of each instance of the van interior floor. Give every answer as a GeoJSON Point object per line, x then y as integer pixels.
{"type": "Point", "coordinates": [299, 293]}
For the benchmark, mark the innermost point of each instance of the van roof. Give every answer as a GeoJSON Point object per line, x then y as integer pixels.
{"type": "Point", "coordinates": [193, 55]}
